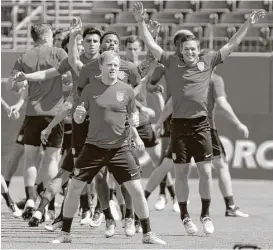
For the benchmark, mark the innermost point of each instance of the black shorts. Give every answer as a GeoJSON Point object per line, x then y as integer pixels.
{"type": "Point", "coordinates": [119, 161]}
{"type": "Point", "coordinates": [147, 135]}
{"type": "Point", "coordinates": [35, 125]}
{"type": "Point", "coordinates": [167, 127]}
{"type": "Point", "coordinates": [20, 136]}
{"type": "Point", "coordinates": [68, 162]}
{"type": "Point", "coordinates": [217, 146]}
{"type": "Point", "coordinates": [79, 134]}
{"type": "Point", "coordinates": [67, 138]}
{"type": "Point", "coordinates": [191, 138]}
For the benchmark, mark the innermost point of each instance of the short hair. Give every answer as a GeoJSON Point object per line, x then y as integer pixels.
{"type": "Point", "coordinates": [109, 33]}
{"type": "Point", "coordinates": [65, 42]}
{"type": "Point", "coordinates": [39, 29]}
{"type": "Point", "coordinates": [189, 38]}
{"type": "Point", "coordinates": [108, 54]}
{"type": "Point", "coordinates": [132, 39]}
{"type": "Point", "coordinates": [91, 31]}
{"type": "Point", "coordinates": [179, 34]}
{"type": "Point", "coordinates": [58, 31]}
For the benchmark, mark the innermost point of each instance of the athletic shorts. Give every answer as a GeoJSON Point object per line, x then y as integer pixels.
{"type": "Point", "coordinates": [119, 161]}
{"type": "Point", "coordinates": [35, 125]}
{"type": "Point", "coordinates": [167, 127]}
{"type": "Point", "coordinates": [20, 136]}
{"type": "Point", "coordinates": [147, 135]}
{"type": "Point", "coordinates": [68, 162]}
{"type": "Point", "coordinates": [67, 138]}
{"type": "Point", "coordinates": [191, 138]}
{"type": "Point", "coordinates": [217, 146]}
{"type": "Point", "coordinates": [79, 134]}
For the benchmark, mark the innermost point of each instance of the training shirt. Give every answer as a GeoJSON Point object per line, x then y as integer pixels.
{"type": "Point", "coordinates": [45, 98]}
{"type": "Point", "coordinates": [216, 89]}
{"type": "Point", "coordinates": [189, 84]}
{"type": "Point", "coordinates": [108, 108]}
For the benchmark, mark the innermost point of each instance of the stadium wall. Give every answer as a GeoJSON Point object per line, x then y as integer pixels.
{"type": "Point", "coordinates": [249, 85]}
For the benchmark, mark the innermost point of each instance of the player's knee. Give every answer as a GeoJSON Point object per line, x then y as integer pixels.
{"type": "Point", "coordinates": [182, 171]}
{"type": "Point", "coordinates": [204, 170]}
{"type": "Point", "coordinates": [220, 164]}
{"type": "Point", "coordinates": [75, 187]}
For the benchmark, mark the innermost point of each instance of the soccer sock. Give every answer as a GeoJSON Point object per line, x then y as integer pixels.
{"type": "Point", "coordinates": [136, 219]}
{"type": "Point", "coordinates": [98, 207]}
{"type": "Point", "coordinates": [7, 182]}
{"type": "Point", "coordinates": [183, 210]}
{"type": "Point", "coordinates": [171, 191]}
{"type": "Point", "coordinates": [147, 194]}
{"type": "Point", "coordinates": [112, 193]}
{"type": "Point", "coordinates": [61, 212]}
{"type": "Point", "coordinates": [30, 193]}
{"type": "Point", "coordinates": [162, 186]}
{"type": "Point", "coordinates": [51, 205]}
{"type": "Point", "coordinates": [145, 224]}
{"type": "Point", "coordinates": [107, 213]}
{"type": "Point", "coordinates": [122, 210]}
{"type": "Point", "coordinates": [205, 207]}
{"type": "Point", "coordinates": [40, 188]}
{"type": "Point", "coordinates": [84, 202]}
{"type": "Point", "coordinates": [8, 199]}
{"type": "Point", "coordinates": [129, 213]}
{"type": "Point", "coordinates": [67, 222]}
{"type": "Point", "coordinates": [44, 202]}
{"type": "Point", "coordinates": [229, 201]}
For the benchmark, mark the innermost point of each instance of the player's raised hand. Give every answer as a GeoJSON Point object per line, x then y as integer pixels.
{"type": "Point", "coordinates": [75, 25]}
{"type": "Point", "coordinates": [139, 12]}
{"type": "Point", "coordinates": [256, 16]}
{"type": "Point", "coordinates": [243, 129]}
{"type": "Point", "coordinates": [153, 27]}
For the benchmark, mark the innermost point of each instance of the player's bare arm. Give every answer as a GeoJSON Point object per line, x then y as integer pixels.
{"type": "Point", "coordinates": [139, 14]}
{"type": "Point", "coordinates": [36, 76]}
{"type": "Point", "coordinates": [229, 114]}
{"type": "Point", "coordinates": [238, 37]}
{"type": "Point", "coordinates": [73, 53]}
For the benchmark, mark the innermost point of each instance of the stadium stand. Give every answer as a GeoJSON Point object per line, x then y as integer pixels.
{"type": "Point", "coordinates": [213, 22]}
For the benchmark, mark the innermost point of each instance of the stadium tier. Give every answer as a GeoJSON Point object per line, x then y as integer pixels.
{"type": "Point", "coordinates": [212, 21]}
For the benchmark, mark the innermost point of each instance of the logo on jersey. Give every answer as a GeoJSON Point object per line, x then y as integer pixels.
{"type": "Point", "coordinates": [76, 171]}
{"type": "Point", "coordinates": [201, 66]}
{"type": "Point", "coordinates": [120, 96]}
{"type": "Point", "coordinates": [122, 75]}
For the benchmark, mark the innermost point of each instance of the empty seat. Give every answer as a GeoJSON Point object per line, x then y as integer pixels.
{"type": "Point", "coordinates": [268, 19]}
{"type": "Point", "coordinates": [150, 6]}
{"type": "Point", "coordinates": [126, 17]}
{"type": "Point", "coordinates": [108, 6]}
{"type": "Point", "coordinates": [217, 6]}
{"type": "Point", "coordinates": [167, 18]}
{"type": "Point", "coordinates": [123, 30]}
{"type": "Point", "coordinates": [252, 5]}
{"type": "Point", "coordinates": [181, 6]}
{"type": "Point", "coordinates": [100, 18]}
{"type": "Point", "coordinates": [237, 18]}
{"type": "Point", "coordinates": [202, 17]}
{"type": "Point", "coordinates": [220, 30]}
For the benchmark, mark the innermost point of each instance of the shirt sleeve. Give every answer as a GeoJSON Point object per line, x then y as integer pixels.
{"type": "Point", "coordinates": [61, 55]}
{"type": "Point", "coordinates": [158, 73]}
{"type": "Point", "coordinates": [135, 77]}
{"type": "Point", "coordinates": [63, 67]}
{"type": "Point", "coordinates": [131, 103]}
{"type": "Point", "coordinates": [214, 58]}
{"type": "Point", "coordinates": [218, 87]}
{"type": "Point", "coordinates": [85, 98]}
{"type": "Point", "coordinates": [83, 78]}
{"type": "Point", "coordinates": [165, 58]}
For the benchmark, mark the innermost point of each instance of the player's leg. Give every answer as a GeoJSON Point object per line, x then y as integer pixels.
{"type": "Point", "coordinates": [125, 170]}
{"type": "Point", "coordinates": [224, 178]}
{"type": "Point", "coordinates": [112, 192]}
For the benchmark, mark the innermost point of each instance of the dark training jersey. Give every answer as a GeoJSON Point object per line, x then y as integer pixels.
{"type": "Point", "coordinates": [189, 84]}
{"type": "Point", "coordinates": [108, 107]}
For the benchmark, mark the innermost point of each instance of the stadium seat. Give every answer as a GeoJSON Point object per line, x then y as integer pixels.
{"type": "Point", "coordinates": [234, 18]}
{"type": "Point", "coordinates": [252, 5]}
{"type": "Point", "coordinates": [150, 6]}
{"type": "Point", "coordinates": [126, 17]}
{"type": "Point", "coordinates": [217, 6]}
{"type": "Point", "coordinates": [181, 6]}
{"type": "Point", "coordinates": [168, 18]}
{"type": "Point", "coordinates": [123, 29]}
{"type": "Point", "coordinates": [268, 19]}
{"type": "Point", "coordinates": [252, 44]}
{"type": "Point", "coordinates": [108, 6]}
{"type": "Point", "coordinates": [98, 18]}
{"type": "Point", "coordinates": [202, 18]}
{"type": "Point", "coordinates": [220, 31]}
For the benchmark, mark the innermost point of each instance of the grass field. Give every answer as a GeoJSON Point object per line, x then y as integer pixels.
{"type": "Point", "coordinates": [254, 197]}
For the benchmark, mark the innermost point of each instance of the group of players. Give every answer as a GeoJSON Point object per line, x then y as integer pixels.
{"type": "Point", "coordinates": [106, 119]}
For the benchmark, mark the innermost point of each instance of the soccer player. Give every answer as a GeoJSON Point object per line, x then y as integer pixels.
{"type": "Point", "coordinates": [58, 37]}
{"type": "Point", "coordinates": [190, 126]}
{"type": "Point", "coordinates": [109, 103]}
{"type": "Point", "coordinates": [44, 101]}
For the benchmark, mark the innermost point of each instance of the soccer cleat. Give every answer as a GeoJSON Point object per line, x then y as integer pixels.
{"type": "Point", "coordinates": [63, 237]}
{"type": "Point", "coordinates": [86, 217]}
{"type": "Point", "coordinates": [161, 202]}
{"type": "Point", "coordinates": [129, 227]}
{"type": "Point", "coordinates": [110, 228]}
{"type": "Point", "coordinates": [96, 219]}
{"type": "Point", "coordinates": [16, 212]}
{"type": "Point", "coordinates": [114, 211]}
{"type": "Point", "coordinates": [138, 227]}
{"type": "Point", "coordinates": [176, 206]}
{"type": "Point", "coordinates": [235, 212]}
{"type": "Point", "coordinates": [28, 212]}
{"type": "Point", "coordinates": [57, 224]}
{"type": "Point", "coordinates": [207, 225]}
{"type": "Point", "coordinates": [151, 238]}
{"type": "Point", "coordinates": [190, 227]}
{"type": "Point", "coordinates": [34, 222]}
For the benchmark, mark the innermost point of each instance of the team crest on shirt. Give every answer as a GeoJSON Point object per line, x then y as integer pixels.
{"type": "Point", "coordinates": [120, 96]}
{"type": "Point", "coordinates": [201, 66]}
{"type": "Point", "coordinates": [76, 171]}
{"type": "Point", "coordinates": [122, 75]}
